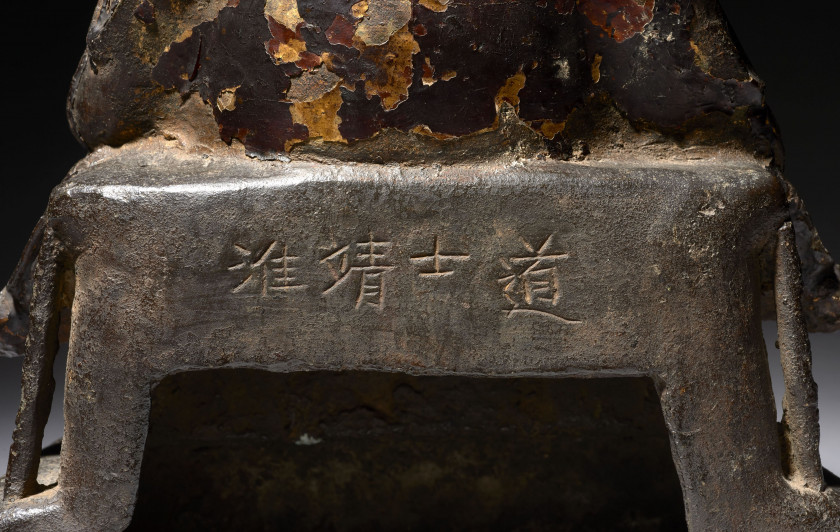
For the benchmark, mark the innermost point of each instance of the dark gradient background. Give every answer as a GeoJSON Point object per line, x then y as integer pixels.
{"type": "Point", "coordinates": [792, 47]}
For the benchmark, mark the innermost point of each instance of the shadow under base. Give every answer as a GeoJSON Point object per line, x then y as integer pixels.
{"type": "Point", "coordinates": [252, 450]}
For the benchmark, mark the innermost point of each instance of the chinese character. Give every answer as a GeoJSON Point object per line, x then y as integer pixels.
{"type": "Point", "coordinates": [434, 265]}
{"type": "Point", "coordinates": [533, 285]}
{"type": "Point", "coordinates": [365, 261]}
{"type": "Point", "coordinates": [267, 273]}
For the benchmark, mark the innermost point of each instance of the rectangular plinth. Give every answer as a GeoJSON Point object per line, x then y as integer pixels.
{"type": "Point", "coordinates": [545, 267]}
{"type": "Point", "coordinates": [178, 263]}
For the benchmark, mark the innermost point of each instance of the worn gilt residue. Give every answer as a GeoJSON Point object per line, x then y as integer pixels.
{"type": "Point", "coordinates": [359, 9]}
{"type": "Point", "coordinates": [285, 46]}
{"type": "Point", "coordinates": [510, 91]}
{"type": "Point", "coordinates": [551, 129]}
{"type": "Point", "coordinates": [393, 77]}
{"type": "Point", "coordinates": [320, 116]}
{"type": "Point", "coordinates": [283, 12]}
{"type": "Point", "coordinates": [227, 99]}
{"type": "Point", "coordinates": [425, 130]}
{"type": "Point", "coordinates": [596, 68]}
{"type": "Point", "coordinates": [428, 78]}
{"type": "Point", "coordinates": [382, 20]}
{"type": "Point", "coordinates": [350, 70]}
{"type": "Point", "coordinates": [438, 6]}
{"type": "Point", "coordinates": [699, 58]}
{"type": "Point", "coordinates": [183, 36]}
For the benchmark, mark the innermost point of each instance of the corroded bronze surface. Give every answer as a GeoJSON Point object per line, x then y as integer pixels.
{"type": "Point", "coordinates": [529, 268]}
{"type": "Point", "coordinates": [398, 195]}
{"type": "Point", "coordinates": [431, 82]}
{"type": "Point", "coordinates": [279, 73]}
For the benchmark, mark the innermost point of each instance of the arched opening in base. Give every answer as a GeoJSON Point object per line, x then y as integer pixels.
{"type": "Point", "coordinates": [242, 449]}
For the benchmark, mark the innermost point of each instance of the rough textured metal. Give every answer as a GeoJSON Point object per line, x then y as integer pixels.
{"type": "Point", "coordinates": [570, 81]}
{"type": "Point", "coordinates": [673, 298]}
{"type": "Point", "coordinates": [800, 399]}
{"type": "Point", "coordinates": [435, 189]}
{"type": "Point", "coordinates": [16, 297]}
{"type": "Point", "coordinates": [277, 73]}
{"type": "Point", "coordinates": [432, 83]}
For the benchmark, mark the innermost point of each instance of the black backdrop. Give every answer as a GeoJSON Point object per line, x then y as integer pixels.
{"type": "Point", "coordinates": [793, 50]}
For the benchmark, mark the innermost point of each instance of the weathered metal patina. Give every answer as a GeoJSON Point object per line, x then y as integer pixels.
{"type": "Point", "coordinates": [279, 73]}
{"type": "Point", "coordinates": [337, 256]}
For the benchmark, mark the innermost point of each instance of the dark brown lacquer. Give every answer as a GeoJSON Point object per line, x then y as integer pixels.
{"type": "Point", "coordinates": [279, 73]}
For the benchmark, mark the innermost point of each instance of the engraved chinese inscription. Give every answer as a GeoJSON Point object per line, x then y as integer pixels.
{"type": "Point", "coordinates": [365, 263]}
{"type": "Point", "coordinates": [533, 283]}
{"type": "Point", "coordinates": [437, 264]}
{"type": "Point", "coordinates": [268, 271]}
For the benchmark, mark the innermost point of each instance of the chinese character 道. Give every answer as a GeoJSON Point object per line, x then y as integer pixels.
{"type": "Point", "coordinates": [533, 283]}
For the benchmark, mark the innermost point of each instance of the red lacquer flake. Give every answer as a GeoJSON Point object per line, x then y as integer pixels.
{"type": "Point", "coordinates": [341, 32]}
{"type": "Point", "coordinates": [308, 60]}
{"type": "Point", "coordinates": [621, 19]}
{"type": "Point", "coordinates": [280, 34]}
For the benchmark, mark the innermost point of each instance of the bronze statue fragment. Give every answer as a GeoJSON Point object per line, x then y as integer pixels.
{"type": "Point", "coordinates": [345, 237]}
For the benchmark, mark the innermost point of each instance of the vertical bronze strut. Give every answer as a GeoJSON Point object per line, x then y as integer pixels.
{"type": "Point", "coordinates": [800, 421]}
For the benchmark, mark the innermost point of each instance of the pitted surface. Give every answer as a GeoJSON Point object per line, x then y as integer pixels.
{"type": "Point", "coordinates": [275, 74]}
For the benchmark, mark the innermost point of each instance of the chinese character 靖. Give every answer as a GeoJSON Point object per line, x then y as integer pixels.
{"type": "Point", "coordinates": [437, 264]}
{"type": "Point", "coordinates": [365, 262]}
{"type": "Point", "coordinates": [533, 282]}
{"type": "Point", "coordinates": [267, 272]}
